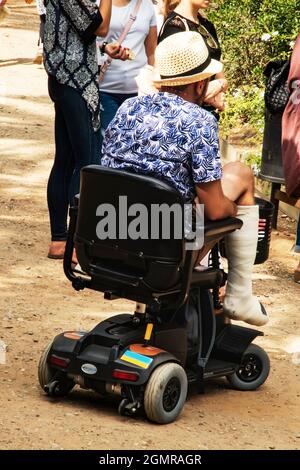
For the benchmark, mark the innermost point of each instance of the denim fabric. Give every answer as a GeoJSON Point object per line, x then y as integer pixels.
{"type": "Point", "coordinates": [297, 246]}
{"type": "Point", "coordinates": [76, 145]}
{"type": "Point", "coordinates": [109, 105]}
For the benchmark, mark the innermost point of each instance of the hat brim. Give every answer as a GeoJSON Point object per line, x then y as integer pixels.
{"type": "Point", "coordinates": [212, 69]}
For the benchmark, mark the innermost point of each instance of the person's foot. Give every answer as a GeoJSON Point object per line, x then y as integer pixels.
{"type": "Point", "coordinates": [57, 249]}
{"type": "Point", "coordinates": [247, 309]}
{"type": "Point", "coordinates": [74, 260]}
{"type": "Point", "coordinates": [297, 274]}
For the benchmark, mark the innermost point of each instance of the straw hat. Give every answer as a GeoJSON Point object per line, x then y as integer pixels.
{"type": "Point", "coordinates": [183, 58]}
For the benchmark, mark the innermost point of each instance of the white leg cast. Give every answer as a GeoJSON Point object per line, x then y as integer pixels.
{"type": "Point", "coordinates": [240, 303]}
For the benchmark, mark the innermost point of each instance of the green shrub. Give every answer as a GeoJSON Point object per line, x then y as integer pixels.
{"type": "Point", "coordinates": [252, 32]}
{"type": "Point", "coordinates": [253, 160]}
{"type": "Point", "coordinates": [244, 105]}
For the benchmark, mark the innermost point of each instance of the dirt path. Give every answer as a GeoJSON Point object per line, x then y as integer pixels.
{"type": "Point", "coordinates": [37, 302]}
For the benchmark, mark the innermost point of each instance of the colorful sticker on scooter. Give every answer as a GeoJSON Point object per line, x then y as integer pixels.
{"type": "Point", "coordinates": [145, 350]}
{"type": "Point", "coordinates": [137, 359]}
{"type": "Point", "coordinates": [74, 334]}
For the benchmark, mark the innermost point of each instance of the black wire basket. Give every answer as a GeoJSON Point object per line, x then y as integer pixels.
{"type": "Point", "coordinates": [266, 211]}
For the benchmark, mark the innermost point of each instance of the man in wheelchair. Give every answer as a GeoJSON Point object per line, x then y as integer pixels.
{"type": "Point", "coordinates": [173, 338]}
{"type": "Point", "coordinates": [168, 135]}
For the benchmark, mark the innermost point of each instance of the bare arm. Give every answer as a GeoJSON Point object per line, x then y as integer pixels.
{"type": "Point", "coordinates": [150, 44]}
{"type": "Point", "coordinates": [105, 12]}
{"type": "Point", "coordinates": [216, 204]}
{"type": "Point", "coordinates": [221, 76]}
{"type": "Point", "coordinates": [216, 86]}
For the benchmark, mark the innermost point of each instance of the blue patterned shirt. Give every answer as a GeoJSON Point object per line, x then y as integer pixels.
{"type": "Point", "coordinates": [166, 137]}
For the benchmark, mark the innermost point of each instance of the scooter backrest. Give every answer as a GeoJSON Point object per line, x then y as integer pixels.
{"type": "Point", "coordinates": [125, 226]}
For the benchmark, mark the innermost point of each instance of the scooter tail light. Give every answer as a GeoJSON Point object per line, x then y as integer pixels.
{"type": "Point", "coordinates": [59, 361]}
{"type": "Point", "coordinates": [122, 375]}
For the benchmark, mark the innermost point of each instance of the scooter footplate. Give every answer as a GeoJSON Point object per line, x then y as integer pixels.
{"type": "Point", "coordinates": [232, 342]}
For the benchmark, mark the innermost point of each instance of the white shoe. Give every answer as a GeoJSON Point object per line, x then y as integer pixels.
{"type": "Point", "coordinates": [239, 302]}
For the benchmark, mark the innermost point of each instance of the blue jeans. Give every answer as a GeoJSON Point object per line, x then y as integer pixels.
{"type": "Point", "coordinates": [109, 105]}
{"type": "Point", "coordinates": [297, 246]}
{"type": "Point", "coordinates": [76, 145]}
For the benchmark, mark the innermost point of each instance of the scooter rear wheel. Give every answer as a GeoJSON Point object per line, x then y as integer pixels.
{"type": "Point", "coordinates": [46, 374]}
{"type": "Point", "coordinates": [253, 370]}
{"type": "Point", "coordinates": [165, 393]}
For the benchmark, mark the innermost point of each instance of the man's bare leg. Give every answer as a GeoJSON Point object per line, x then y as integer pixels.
{"type": "Point", "coordinates": [238, 183]}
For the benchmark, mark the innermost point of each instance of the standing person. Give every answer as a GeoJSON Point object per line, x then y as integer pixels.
{"type": "Point", "coordinates": [118, 82]}
{"type": "Point", "coordinates": [297, 250]}
{"type": "Point", "coordinates": [70, 61]}
{"type": "Point", "coordinates": [42, 13]}
{"type": "Point", "coordinates": [187, 15]}
{"type": "Point", "coordinates": [291, 138]}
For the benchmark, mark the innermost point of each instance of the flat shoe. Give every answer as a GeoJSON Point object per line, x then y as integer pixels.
{"type": "Point", "coordinates": [56, 250]}
{"type": "Point", "coordinates": [53, 256]}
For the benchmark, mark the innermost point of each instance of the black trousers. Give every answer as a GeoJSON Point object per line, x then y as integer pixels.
{"type": "Point", "coordinates": [76, 145]}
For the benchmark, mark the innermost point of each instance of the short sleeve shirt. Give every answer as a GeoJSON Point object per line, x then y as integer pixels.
{"type": "Point", "coordinates": [166, 137]}
{"type": "Point", "coordinates": [120, 76]}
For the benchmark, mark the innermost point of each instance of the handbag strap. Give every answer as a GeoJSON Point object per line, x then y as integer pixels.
{"type": "Point", "coordinates": [130, 22]}
{"type": "Point", "coordinates": [128, 26]}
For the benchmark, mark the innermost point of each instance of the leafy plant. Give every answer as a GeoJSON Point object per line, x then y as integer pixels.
{"type": "Point", "coordinates": [244, 106]}
{"type": "Point", "coordinates": [252, 33]}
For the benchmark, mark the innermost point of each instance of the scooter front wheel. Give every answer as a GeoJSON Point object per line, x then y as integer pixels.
{"type": "Point", "coordinates": [253, 370]}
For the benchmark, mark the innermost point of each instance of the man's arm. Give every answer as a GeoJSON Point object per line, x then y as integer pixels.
{"type": "Point", "coordinates": [207, 169]}
{"type": "Point", "coordinates": [216, 204]}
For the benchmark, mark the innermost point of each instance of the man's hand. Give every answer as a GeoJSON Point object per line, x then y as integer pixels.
{"type": "Point", "coordinates": [214, 88]}
{"type": "Point", "coordinates": [218, 101]}
{"type": "Point", "coordinates": [115, 51]}
{"type": "Point", "coordinates": [216, 204]}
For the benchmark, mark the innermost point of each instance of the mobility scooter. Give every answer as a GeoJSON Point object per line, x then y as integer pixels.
{"type": "Point", "coordinates": [173, 338]}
